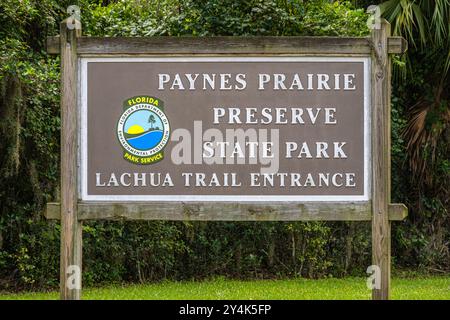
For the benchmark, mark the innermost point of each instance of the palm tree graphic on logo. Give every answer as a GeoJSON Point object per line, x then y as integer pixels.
{"type": "Point", "coordinates": [151, 120]}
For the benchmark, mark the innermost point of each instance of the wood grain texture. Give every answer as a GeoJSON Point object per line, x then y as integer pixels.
{"type": "Point", "coordinates": [71, 241]}
{"type": "Point", "coordinates": [381, 190]}
{"type": "Point", "coordinates": [226, 211]}
{"type": "Point", "coordinates": [397, 45]}
{"type": "Point", "coordinates": [226, 45]}
{"type": "Point", "coordinates": [397, 212]}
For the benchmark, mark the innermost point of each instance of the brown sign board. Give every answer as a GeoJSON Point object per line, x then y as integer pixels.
{"type": "Point", "coordinates": [228, 128]}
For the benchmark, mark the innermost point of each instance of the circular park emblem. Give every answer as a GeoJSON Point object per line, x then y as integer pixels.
{"type": "Point", "coordinates": [143, 130]}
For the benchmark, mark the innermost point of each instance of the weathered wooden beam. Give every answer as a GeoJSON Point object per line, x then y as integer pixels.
{"type": "Point", "coordinates": [381, 161]}
{"type": "Point", "coordinates": [52, 211]}
{"type": "Point", "coordinates": [52, 45]}
{"type": "Point", "coordinates": [226, 45]}
{"type": "Point", "coordinates": [397, 211]}
{"type": "Point", "coordinates": [397, 45]}
{"type": "Point", "coordinates": [226, 211]}
{"type": "Point", "coordinates": [71, 229]}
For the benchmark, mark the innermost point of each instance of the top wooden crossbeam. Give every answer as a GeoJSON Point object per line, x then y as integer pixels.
{"type": "Point", "coordinates": [226, 45]}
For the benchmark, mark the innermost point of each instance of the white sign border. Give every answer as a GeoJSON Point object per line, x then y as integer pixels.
{"type": "Point", "coordinates": [82, 129]}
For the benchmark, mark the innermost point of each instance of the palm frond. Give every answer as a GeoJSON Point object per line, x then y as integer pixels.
{"type": "Point", "coordinates": [425, 24]}
{"type": "Point", "coordinates": [440, 21]}
{"type": "Point", "coordinates": [407, 18]}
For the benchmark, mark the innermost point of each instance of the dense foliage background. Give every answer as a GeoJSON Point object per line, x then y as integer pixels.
{"type": "Point", "coordinates": [144, 251]}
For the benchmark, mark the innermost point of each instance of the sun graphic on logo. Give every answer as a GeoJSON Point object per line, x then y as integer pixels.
{"type": "Point", "coordinates": [135, 129]}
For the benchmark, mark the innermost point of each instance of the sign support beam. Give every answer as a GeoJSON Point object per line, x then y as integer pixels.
{"type": "Point", "coordinates": [381, 165]}
{"type": "Point", "coordinates": [226, 211]}
{"type": "Point", "coordinates": [126, 46]}
{"type": "Point", "coordinates": [71, 227]}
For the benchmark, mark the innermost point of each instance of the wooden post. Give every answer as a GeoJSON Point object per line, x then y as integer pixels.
{"type": "Point", "coordinates": [381, 165]}
{"type": "Point", "coordinates": [71, 229]}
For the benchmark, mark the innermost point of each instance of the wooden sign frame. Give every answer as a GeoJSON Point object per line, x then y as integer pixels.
{"type": "Point", "coordinates": [71, 211]}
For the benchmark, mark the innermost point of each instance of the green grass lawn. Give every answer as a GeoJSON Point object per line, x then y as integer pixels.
{"type": "Point", "coordinates": [324, 289]}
